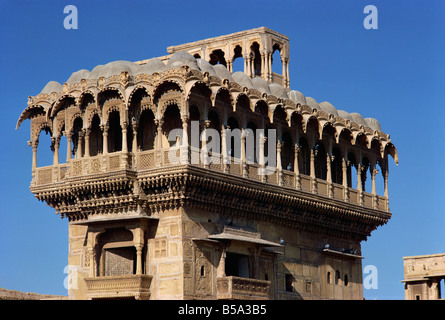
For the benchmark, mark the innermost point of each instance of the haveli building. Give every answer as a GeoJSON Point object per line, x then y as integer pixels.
{"type": "Point", "coordinates": [144, 226]}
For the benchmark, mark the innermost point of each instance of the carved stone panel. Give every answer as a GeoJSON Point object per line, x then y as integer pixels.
{"type": "Point", "coordinates": [119, 261]}
{"type": "Point", "coordinates": [203, 272]}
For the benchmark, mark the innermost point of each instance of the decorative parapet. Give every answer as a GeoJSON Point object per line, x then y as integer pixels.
{"type": "Point", "coordinates": [124, 286]}
{"type": "Point", "coordinates": [238, 288]}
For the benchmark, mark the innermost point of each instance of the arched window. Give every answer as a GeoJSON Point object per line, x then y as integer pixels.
{"type": "Point", "coordinates": [352, 170]}
{"type": "Point", "coordinates": [277, 66]}
{"type": "Point", "coordinates": [304, 157]}
{"type": "Point", "coordinates": [172, 121]}
{"type": "Point", "coordinates": [237, 64]}
{"type": "Point", "coordinates": [255, 48]}
{"type": "Point", "coordinates": [146, 131]}
{"type": "Point", "coordinates": [328, 278]}
{"type": "Point", "coordinates": [214, 125]}
{"type": "Point", "coordinates": [63, 146]}
{"type": "Point", "coordinates": [337, 277]}
{"type": "Point", "coordinates": [44, 154]}
{"type": "Point", "coordinates": [96, 139]}
{"type": "Point", "coordinates": [114, 132]}
{"type": "Point", "coordinates": [77, 138]}
{"type": "Point", "coordinates": [234, 149]}
{"type": "Point", "coordinates": [287, 152]}
{"type": "Point", "coordinates": [320, 161]}
{"type": "Point", "coordinates": [251, 143]}
{"type": "Point", "coordinates": [217, 57]}
{"type": "Point", "coordinates": [337, 166]}
{"type": "Point", "coordinates": [346, 280]}
{"type": "Point", "coordinates": [365, 182]}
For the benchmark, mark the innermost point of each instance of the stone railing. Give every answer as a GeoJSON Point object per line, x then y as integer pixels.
{"type": "Point", "coordinates": [150, 159]}
{"type": "Point", "coordinates": [242, 288]}
{"type": "Point", "coordinates": [124, 286]}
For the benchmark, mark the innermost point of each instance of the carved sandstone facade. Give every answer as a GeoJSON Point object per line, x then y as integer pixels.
{"type": "Point", "coordinates": [423, 276]}
{"type": "Point", "coordinates": [151, 219]}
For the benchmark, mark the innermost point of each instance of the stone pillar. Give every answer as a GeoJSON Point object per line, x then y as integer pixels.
{"type": "Point", "coordinates": [87, 142]}
{"type": "Point", "coordinates": [68, 147]}
{"type": "Point", "coordinates": [287, 74]}
{"type": "Point", "coordinates": [374, 173]}
{"type": "Point", "coordinates": [124, 138]}
{"type": "Point", "coordinates": [243, 154]}
{"type": "Point", "coordinates": [345, 164]}
{"type": "Point", "coordinates": [138, 240]}
{"type": "Point", "coordinates": [262, 140]}
{"type": "Point", "coordinates": [312, 172]}
{"type": "Point", "coordinates": [296, 168]}
{"type": "Point", "coordinates": [104, 129]}
{"type": "Point", "coordinates": [263, 65]}
{"type": "Point", "coordinates": [246, 64]}
{"type": "Point", "coordinates": [225, 164]}
{"type": "Point", "coordinates": [359, 183]}
{"type": "Point", "coordinates": [185, 140]}
{"type": "Point", "coordinates": [159, 157]}
{"type": "Point", "coordinates": [284, 63]}
{"type": "Point", "coordinates": [221, 269]}
{"type": "Point", "coordinates": [34, 144]}
{"type": "Point", "coordinates": [104, 139]}
{"type": "Point", "coordinates": [385, 176]}
{"type": "Point", "coordinates": [134, 145]}
{"type": "Point", "coordinates": [124, 163]}
{"type": "Point", "coordinates": [269, 66]}
{"type": "Point", "coordinates": [79, 146]}
{"type": "Point", "coordinates": [56, 151]}
{"type": "Point", "coordinates": [279, 167]}
{"type": "Point", "coordinates": [230, 65]}
{"type": "Point", "coordinates": [139, 258]}
{"type": "Point", "coordinates": [92, 258]}
{"type": "Point", "coordinates": [329, 160]}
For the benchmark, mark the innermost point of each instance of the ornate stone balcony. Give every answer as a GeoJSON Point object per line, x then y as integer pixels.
{"type": "Point", "coordinates": [124, 286]}
{"type": "Point", "coordinates": [242, 288]}
{"type": "Point", "coordinates": [143, 161]}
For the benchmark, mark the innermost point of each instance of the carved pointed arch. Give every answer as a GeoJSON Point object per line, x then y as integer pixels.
{"type": "Point", "coordinates": [38, 127]}
{"type": "Point", "coordinates": [139, 100]}
{"type": "Point", "coordinates": [111, 99]}
{"type": "Point", "coordinates": [242, 99]}
{"type": "Point", "coordinates": [346, 134]}
{"type": "Point", "coordinates": [390, 149]}
{"type": "Point", "coordinates": [85, 98]}
{"type": "Point", "coordinates": [361, 139]}
{"type": "Point", "coordinates": [63, 102]}
{"type": "Point", "coordinates": [167, 93]}
{"type": "Point", "coordinates": [199, 94]}
{"type": "Point", "coordinates": [279, 115]}
{"type": "Point", "coordinates": [31, 112]}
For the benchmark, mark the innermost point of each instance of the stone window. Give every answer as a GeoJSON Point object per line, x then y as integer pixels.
{"type": "Point", "coordinates": [289, 283]}
{"type": "Point", "coordinates": [308, 287]}
{"type": "Point", "coordinates": [237, 265]}
{"type": "Point", "coordinates": [337, 277]}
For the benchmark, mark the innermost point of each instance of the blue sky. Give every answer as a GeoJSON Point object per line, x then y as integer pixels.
{"type": "Point", "coordinates": [395, 74]}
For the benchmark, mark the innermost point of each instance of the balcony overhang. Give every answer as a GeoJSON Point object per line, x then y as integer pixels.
{"type": "Point", "coordinates": [228, 236]}
{"type": "Point", "coordinates": [342, 254]}
{"type": "Point", "coordinates": [233, 234]}
{"type": "Point", "coordinates": [105, 220]}
{"type": "Point", "coordinates": [238, 288]}
{"type": "Point", "coordinates": [124, 286]}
